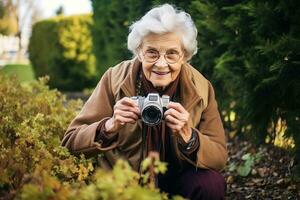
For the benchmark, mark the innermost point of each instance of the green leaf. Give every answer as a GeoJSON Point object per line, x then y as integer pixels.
{"type": "Point", "coordinates": [244, 170]}
{"type": "Point", "coordinates": [246, 156]}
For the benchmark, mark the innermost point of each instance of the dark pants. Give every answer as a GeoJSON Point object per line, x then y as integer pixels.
{"type": "Point", "coordinates": [194, 184]}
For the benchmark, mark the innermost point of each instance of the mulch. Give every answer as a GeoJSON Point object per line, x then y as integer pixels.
{"type": "Point", "coordinates": [270, 178]}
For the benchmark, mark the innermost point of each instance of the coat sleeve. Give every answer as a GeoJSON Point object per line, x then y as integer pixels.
{"type": "Point", "coordinates": [81, 133]}
{"type": "Point", "coordinates": [212, 151]}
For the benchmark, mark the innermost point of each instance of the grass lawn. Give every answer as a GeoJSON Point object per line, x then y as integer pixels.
{"type": "Point", "coordinates": [24, 73]}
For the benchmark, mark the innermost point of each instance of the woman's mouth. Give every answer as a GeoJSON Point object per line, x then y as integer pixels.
{"type": "Point", "coordinates": [160, 73]}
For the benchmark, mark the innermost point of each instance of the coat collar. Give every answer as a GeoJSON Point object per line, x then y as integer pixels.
{"type": "Point", "coordinates": [189, 94]}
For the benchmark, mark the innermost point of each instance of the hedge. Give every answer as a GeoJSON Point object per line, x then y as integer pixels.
{"type": "Point", "coordinates": [61, 47]}
{"type": "Point", "coordinates": [33, 165]}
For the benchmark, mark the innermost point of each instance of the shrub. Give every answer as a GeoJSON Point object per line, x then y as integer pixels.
{"type": "Point", "coordinates": [33, 119]}
{"type": "Point", "coordinates": [33, 165]}
{"type": "Point", "coordinates": [61, 47]}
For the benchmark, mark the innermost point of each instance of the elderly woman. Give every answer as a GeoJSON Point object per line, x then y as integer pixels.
{"type": "Point", "coordinates": [191, 136]}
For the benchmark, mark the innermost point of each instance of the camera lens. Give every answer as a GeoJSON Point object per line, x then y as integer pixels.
{"type": "Point", "coordinates": [151, 115]}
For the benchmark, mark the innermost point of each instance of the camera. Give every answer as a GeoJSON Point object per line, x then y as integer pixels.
{"type": "Point", "coordinates": [152, 107]}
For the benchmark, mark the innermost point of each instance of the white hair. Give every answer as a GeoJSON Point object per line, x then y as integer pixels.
{"type": "Point", "coordinates": [161, 20]}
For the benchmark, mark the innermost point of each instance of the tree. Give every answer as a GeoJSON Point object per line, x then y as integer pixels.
{"type": "Point", "coordinates": [250, 49]}
{"type": "Point", "coordinates": [111, 23]}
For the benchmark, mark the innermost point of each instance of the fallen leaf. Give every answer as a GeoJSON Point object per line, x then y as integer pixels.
{"type": "Point", "coordinates": [275, 174]}
{"type": "Point", "coordinates": [263, 172]}
{"type": "Point", "coordinates": [280, 181]}
{"type": "Point", "coordinates": [230, 180]}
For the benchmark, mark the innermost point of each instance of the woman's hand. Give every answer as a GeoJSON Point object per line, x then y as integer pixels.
{"type": "Point", "coordinates": [177, 118]}
{"type": "Point", "coordinates": [125, 111]}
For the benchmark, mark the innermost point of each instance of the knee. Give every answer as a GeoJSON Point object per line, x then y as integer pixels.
{"type": "Point", "coordinates": [203, 184]}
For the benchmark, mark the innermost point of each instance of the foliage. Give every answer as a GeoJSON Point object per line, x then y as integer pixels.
{"type": "Point", "coordinates": [33, 120]}
{"type": "Point", "coordinates": [151, 166]}
{"type": "Point", "coordinates": [33, 165]}
{"type": "Point", "coordinates": [61, 47]}
{"type": "Point", "coordinates": [111, 23]}
{"type": "Point", "coordinates": [121, 183]}
{"type": "Point", "coordinates": [250, 50]}
{"type": "Point", "coordinates": [23, 72]}
{"type": "Point", "coordinates": [249, 160]}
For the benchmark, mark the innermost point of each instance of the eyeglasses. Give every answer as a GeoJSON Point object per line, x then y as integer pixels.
{"type": "Point", "coordinates": [171, 56]}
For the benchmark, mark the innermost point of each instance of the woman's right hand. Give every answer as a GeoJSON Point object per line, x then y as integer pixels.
{"type": "Point", "coordinates": [126, 110]}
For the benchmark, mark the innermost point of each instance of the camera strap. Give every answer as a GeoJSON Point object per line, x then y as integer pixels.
{"type": "Point", "coordinates": [142, 155]}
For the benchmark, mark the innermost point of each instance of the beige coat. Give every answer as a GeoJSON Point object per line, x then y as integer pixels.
{"type": "Point", "coordinates": [196, 95]}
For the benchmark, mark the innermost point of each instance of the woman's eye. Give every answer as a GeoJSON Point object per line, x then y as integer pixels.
{"type": "Point", "coordinates": [171, 52]}
{"type": "Point", "coordinates": [152, 51]}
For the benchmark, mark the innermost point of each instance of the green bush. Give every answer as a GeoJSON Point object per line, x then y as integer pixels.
{"type": "Point", "coordinates": [250, 49]}
{"type": "Point", "coordinates": [32, 122]}
{"type": "Point", "coordinates": [110, 31]}
{"type": "Point", "coordinates": [61, 47]}
{"type": "Point", "coordinates": [33, 165]}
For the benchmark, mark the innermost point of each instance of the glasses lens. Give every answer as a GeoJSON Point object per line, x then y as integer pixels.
{"type": "Point", "coordinates": [151, 56]}
{"type": "Point", "coordinates": [172, 57]}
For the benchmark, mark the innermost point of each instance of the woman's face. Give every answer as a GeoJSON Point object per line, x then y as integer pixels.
{"type": "Point", "coordinates": [162, 57]}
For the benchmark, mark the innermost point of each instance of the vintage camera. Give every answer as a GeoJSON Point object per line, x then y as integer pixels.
{"type": "Point", "coordinates": [152, 107]}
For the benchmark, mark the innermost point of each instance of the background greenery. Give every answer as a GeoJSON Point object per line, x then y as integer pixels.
{"type": "Point", "coordinates": [23, 72]}
{"type": "Point", "coordinates": [61, 47]}
{"type": "Point", "coordinates": [254, 48]}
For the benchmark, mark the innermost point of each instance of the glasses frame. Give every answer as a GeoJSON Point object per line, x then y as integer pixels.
{"type": "Point", "coordinates": [162, 54]}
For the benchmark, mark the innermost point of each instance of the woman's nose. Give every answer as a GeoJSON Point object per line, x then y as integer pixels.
{"type": "Point", "coordinates": [161, 62]}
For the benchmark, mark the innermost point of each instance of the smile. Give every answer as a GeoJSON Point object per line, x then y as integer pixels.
{"type": "Point", "coordinates": [160, 73]}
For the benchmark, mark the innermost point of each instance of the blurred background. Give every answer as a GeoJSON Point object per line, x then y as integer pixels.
{"type": "Point", "coordinates": [250, 50]}
{"type": "Point", "coordinates": [16, 20]}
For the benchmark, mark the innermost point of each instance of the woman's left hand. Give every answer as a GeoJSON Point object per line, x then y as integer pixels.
{"type": "Point", "coordinates": [177, 118]}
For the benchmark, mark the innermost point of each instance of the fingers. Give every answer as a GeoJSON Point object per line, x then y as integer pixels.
{"type": "Point", "coordinates": [123, 120]}
{"type": "Point", "coordinates": [125, 111]}
{"type": "Point", "coordinates": [174, 124]}
{"type": "Point", "coordinates": [176, 106]}
{"type": "Point", "coordinates": [173, 113]}
{"type": "Point", "coordinates": [126, 114]}
{"type": "Point", "coordinates": [127, 104]}
{"type": "Point", "coordinates": [176, 117]}
{"type": "Point", "coordinates": [177, 111]}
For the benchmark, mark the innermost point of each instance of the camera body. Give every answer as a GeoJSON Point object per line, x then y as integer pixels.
{"type": "Point", "coordinates": [152, 107]}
